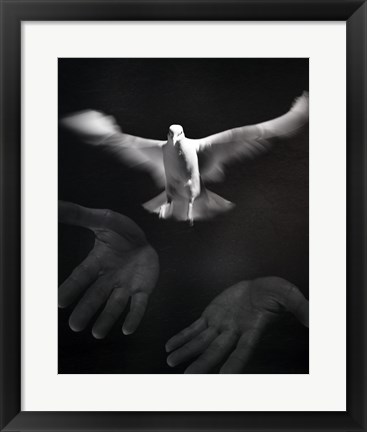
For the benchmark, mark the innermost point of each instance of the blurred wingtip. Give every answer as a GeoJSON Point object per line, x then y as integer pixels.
{"type": "Point", "coordinates": [301, 103]}
{"type": "Point", "coordinates": [90, 125]}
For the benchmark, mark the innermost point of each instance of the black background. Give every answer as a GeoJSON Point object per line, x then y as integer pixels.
{"type": "Point", "coordinates": [266, 234]}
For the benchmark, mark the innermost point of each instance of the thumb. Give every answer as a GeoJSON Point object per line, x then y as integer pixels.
{"type": "Point", "coordinates": [297, 304]}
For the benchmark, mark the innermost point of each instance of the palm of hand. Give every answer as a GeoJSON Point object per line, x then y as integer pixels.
{"type": "Point", "coordinates": [121, 265]}
{"type": "Point", "coordinates": [125, 265]}
{"type": "Point", "coordinates": [234, 320]}
{"type": "Point", "coordinates": [241, 308]}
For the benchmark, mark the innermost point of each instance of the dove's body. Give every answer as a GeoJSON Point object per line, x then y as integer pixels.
{"type": "Point", "coordinates": [181, 165]}
{"type": "Point", "coordinates": [185, 196]}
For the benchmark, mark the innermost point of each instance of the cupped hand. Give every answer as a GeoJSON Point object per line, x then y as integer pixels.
{"type": "Point", "coordinates": [229, 328]}
{"type": "Point", "coordinates": [120, 266]}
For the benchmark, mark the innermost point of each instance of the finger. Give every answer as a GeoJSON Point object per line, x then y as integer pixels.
{"type": "Point", "coordinates": [81, 277]}
{"type": "Point", "coordinates": [214, 354]}
{"type": "Point", "coordinates": [297, 305]}
{"type": "Point", "coordinates": [138, 306]}
{"type": "Point", "coordinates": [192, 348]}
{"type": "Point", "coordinates": [123, 226]}
{"type": "Point", "coordinates": [113, 310]}
{"type": "Point", "coordinates": [92, 300]}
{"type": "Point", "coordinates": [74, 214]}
{"type": "Point", "coordinates": [186, 334]}
{"type": "Point", "coordinates": [240, 356]}
{"type": "Point", "coordinates": [94, 219]}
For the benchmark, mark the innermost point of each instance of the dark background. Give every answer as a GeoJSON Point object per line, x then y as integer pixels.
{"type": "Point", "coordinates": [266, 233]}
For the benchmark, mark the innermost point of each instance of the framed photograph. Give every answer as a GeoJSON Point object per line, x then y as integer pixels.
{"type": "Point", "coordinates": [183, 215]}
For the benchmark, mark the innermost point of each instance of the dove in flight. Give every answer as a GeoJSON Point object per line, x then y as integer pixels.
{"type": "Point", "coordinates": [181, 165]}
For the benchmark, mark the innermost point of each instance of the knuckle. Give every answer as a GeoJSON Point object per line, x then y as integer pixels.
{"type": "Point", "coordinates": [85, 268]}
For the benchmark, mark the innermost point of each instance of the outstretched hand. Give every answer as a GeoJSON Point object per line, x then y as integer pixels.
{"type": "Point", "coordinates": [231, 325]}
{"type": "Point", "coordinates": [121, 265]}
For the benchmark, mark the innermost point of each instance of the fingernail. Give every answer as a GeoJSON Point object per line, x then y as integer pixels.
{"type": "Point", "coordinates": [170, 362]}
{"type": "Point", "coordinates": [97, 335]}
{"type": "Point", "coordinates": [75, 326]}
{"type": "Point", "coordinates": [62, 303]}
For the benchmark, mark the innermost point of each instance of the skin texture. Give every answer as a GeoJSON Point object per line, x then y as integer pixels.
{"type": "Point", "coordinates": [121, 265]}
{"type": "Point", "coordinates": [229, 328]}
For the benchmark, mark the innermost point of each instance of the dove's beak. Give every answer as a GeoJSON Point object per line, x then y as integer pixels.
{"type": "Point", "coordinates": [171, 136]}
{"type": "Point", "coordinates": [174, 139]}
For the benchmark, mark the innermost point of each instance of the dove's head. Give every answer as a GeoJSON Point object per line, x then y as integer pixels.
{"type": "Point", "coordinates": [175, 133]}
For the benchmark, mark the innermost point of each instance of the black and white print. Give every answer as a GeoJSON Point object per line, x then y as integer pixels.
{"type": "Point", "coordinates": [183, 215]}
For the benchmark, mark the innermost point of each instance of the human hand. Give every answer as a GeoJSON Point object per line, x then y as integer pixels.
{"type": "Point", "coordinates": [232, 324]}
{"type": "Point", "coordinates": [121, 265]}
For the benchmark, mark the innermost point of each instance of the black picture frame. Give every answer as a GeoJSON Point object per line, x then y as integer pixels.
{"type": "Point", "coordinates": [354, 12]}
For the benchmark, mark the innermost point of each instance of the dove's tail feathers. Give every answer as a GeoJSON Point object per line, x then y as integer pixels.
{"type": "Point", "coordinates": [176, 209]}
{"type": "Point", "coordinates": [209, 205]}
{"type": "Point", "coordinates": [206, 206]}
{"type": "Point", "coordinates": [156, 204]}
{"type": "Point", "coordinates": [289, 124]}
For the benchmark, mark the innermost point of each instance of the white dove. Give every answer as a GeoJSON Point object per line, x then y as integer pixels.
{"type": "Point", "coordinates": [180, 165]}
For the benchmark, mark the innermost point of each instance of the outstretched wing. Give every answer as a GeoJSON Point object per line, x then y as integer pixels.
{"type": "Point", "coordinates": [217, 150]}
{"type": "Point", "coordinates": [98, 129]}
